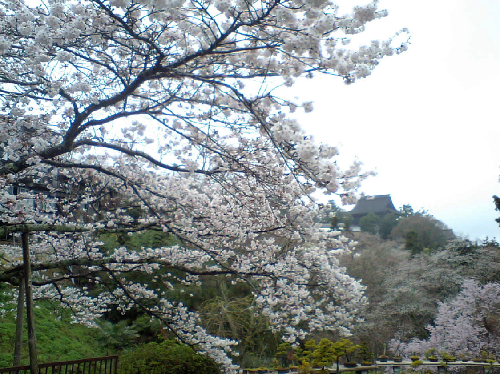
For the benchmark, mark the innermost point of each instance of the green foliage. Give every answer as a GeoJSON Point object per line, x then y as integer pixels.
{"type": "Point", "coordinates": [235, 317]}
{"type": "Point", "coordinates": [422, 232]}
{"type": "Point", "coordinates": [286, 355]}
{"type": "Point", "coordinates": [327, 352]}
{"type": "Point", "coordinates": [412, 242]}
{"type": "Point", "coordinates": [328, 211]}
{"type": "Point", "coordinates": [415, 364]}
{"type": "Point", "coordinates": [334, 215]}
{"type": "Point", "coordinates": [146, 239]}
{"type": "Point", "coordinates": [430, 353]}
{"type": "Point", "coordinates": [381, 225]}
{"type": "Point", "coordinates": [58, 338]}
{"type": "Point", "coordinates": [387, 224]}
{"type": "Point", "coordinates": [369, 223]}
{"type": "Point", "coordinates": [446, 357]}
{"type": "Point", "coordinates": [348, 347]}
{"type": "Point", "coordinates": [148, 329]}
{"type": "Point", "coordinates": [364, 352]}
{"type": "Point", "coordinates": [406, 210]}
{"type": "Point", "coordinates": [496, 200]}
{"type": "Point", "coordinates": [344, 218]}
{"type": "Point", "coordinates": [251, 360]}
{"type": "Point", "coordinates": [487, 356]}
{"type": "Point", "coordinates": [166, 358]}
{"type": "Point", "coordinates": [117, 336]}
{"type": "Point", "coordinates": [309, 348]}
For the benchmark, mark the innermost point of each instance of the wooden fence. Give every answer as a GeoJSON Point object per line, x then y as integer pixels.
{"type": "Point", "coordinates": [99, 365]}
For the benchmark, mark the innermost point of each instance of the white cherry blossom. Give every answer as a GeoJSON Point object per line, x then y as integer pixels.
{"type": "Point", "coordinates": [119, 116]}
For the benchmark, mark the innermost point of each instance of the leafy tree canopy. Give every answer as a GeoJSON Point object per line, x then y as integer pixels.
{"type": "Point", "coordinates": [496, 200]}
{"type": "Point", "coordinates": [407, 210]}
{"type": "Point", "coordinates": [369, 223]}
{"type": "Point", "coordinates": [421, 232]}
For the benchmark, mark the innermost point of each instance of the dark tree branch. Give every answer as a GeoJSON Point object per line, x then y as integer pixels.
{"type": "Point", "coordinates": [140, 154]}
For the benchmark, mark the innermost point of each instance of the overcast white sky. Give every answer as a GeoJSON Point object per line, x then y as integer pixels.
{"type": "Point", "coordinates": [427, 120]}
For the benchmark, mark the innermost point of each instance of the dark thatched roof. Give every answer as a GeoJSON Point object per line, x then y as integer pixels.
{"type": "Point", "coordinates": [378, 204]}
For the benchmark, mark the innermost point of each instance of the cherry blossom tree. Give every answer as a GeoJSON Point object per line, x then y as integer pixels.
{"type": "Point", "coordinates": [123, 116]}
{"type": "Point", "coordinates": [466, 324]}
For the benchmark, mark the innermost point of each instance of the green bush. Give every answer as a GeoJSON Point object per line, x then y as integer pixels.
{"type": "Point", "coordinates": [166, 358]}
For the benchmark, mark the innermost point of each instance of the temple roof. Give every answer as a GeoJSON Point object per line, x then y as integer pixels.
{"type": "Point", "coordinates": [378, 204]}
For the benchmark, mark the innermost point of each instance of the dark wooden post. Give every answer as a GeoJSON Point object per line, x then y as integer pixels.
{"type": "Point", "coordinates": [19, 324]}
{"type": "Point", "coordinates": [29, 305]}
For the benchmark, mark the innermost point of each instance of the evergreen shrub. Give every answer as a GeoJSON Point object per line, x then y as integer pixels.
{"type": "Point", "coordinates": [166, 358]}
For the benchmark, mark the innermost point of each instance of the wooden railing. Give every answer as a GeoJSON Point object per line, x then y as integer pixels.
{"type": "Point", "coordinates": [99, 365]}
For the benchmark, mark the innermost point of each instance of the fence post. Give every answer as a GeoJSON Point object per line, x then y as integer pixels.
{"type": "Point", "coordinates": [29, 304]}
{"type": "Point", "coordinates": [19, 324]}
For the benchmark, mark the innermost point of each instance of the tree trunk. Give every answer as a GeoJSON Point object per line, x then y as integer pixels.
{"type": "Point", "coordinates": [29, 305]}
{"type": "Point", "coordinates": [19, 324]}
